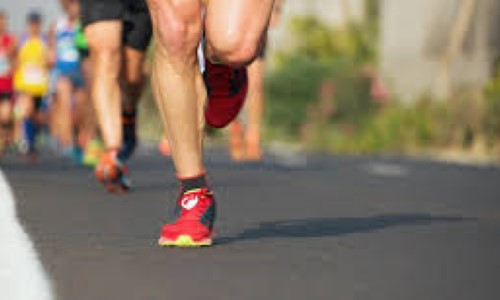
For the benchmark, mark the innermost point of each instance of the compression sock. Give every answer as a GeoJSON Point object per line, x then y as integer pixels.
{"type": "Point", "coordinates": [30, 130]}
{"type": "Point", "coordinates": [193, 183]}
{"type": "Point", "coordinates": [129, 135]}
{"type": "Point", "coordinates": [129, 125]}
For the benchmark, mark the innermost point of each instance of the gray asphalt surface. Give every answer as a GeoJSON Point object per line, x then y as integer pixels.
{"type": "Point", "coordinates": [326, 228]}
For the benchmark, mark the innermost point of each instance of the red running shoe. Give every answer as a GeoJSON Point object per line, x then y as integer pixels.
{"type": "Point", "coordinates": [193, 227]}
{"type": "Point", "coordinates": [227, 89]}
{"type": "Point", "coordinates": [112, 173]}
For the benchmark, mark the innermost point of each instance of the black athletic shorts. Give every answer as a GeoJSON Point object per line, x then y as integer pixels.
{"type": "Point", "coordinates": [5, 96]}
{"type": "Point", "coordinates": [137, 28]}
{"type": "Point", "coordinates": [84, 53]}
{"type": "Point", "coordinates": [38, 103]}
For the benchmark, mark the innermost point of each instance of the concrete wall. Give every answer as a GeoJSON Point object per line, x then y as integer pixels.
{"type": "Point", "coordinates": [333, 12]}
{"type": "Point", "coordinates": [414, 36]}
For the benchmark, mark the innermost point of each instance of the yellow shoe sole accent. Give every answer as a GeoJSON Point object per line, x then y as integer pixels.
{"type": "Point", "coordinates": [185, 241]}
{"type": "Point", "coordinates": [90, 161]}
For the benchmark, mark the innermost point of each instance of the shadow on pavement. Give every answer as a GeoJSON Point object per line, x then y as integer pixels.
{"type": "Point", "coordinates": [331, 227]}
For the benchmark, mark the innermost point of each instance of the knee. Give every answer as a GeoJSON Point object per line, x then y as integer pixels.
{"type": "Point", "coordinates": [106, 64]}
{"type": "Point", "coordinates": [233, 48]}
{"type": "Point", "coordinates": [63, 92]}
{"type": "Point", "coordinates": [134, 84]}
{"type": "Point", "coordinates": [177, 29]}
{"type": "Point", "coordinates": [63, 85]}
{"type": "Point", "coordinates": [26, 108]}
{"type": "Point", "coordinates": [4, 112]}
{"type": "Point", "coordinates": [106, 61]}
{"type": "Point", "coordinates": [105, 51]}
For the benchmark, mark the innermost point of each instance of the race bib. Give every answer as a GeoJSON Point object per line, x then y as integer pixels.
{"type": "Point", "coordinates": [67, 51]}
{"type": "Point", "coordinates": [34, 75]}
{"type": "Point", "coordinates": [4, 64]}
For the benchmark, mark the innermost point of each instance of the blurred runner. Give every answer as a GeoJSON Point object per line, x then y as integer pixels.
{"type": "Point", "coordinates": [8, 49]}
{"type": "Point", "coordinates": [118, 33]}
{"type": "Point", "coordinates": [164, 146]}
{"type": "Point", "coordinates": [245, 143]}
{"type": "Point", "coordinates": [233, 31]}
{"type": "Point", "coordinates": [31, 80]}
{"type": "Point", "coordinates": [88, 138]}
{"type": "Point", "coordinates": [67, 81]}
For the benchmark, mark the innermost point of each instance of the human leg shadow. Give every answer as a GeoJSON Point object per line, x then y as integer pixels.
{"type": "Point", "coordinates": [332, 227]}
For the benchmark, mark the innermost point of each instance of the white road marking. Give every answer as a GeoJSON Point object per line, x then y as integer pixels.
{"type": "Point", "coordinates": [21, 274]}
{"type": "Point", "coordinates": [387, 170]}
{"type": "Point", "coordinates": [287, 155]}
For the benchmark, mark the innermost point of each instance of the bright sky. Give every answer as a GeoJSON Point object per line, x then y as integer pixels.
{"type": "Point", "coordinates": [17, 10]}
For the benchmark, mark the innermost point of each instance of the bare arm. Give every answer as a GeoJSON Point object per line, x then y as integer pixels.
{"type": "Point", "coordinates": [12, 53]}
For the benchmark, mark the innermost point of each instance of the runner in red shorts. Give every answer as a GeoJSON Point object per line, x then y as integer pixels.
{"type": "Point", "coordinates": [8, 51]}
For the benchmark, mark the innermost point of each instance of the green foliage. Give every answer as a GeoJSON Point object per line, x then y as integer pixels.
{"type": "Point", "coordinates": [395, 129]}
{"type": "Point", "coordinates": [492, 109]}
{"type": "Point", "coordinates": [315, 39]}
{"type": "Point", "coordinates": [352, 99]}
{"type": "Point", "coordinates": [492, 119]}
{"type": "Point", "coordinates": [355, 42]}
{"type": "Point", "coordinates": [398, 128]}
{"type": "Point", "coordinates": [357, 123]}
{"type": "Point", "coordinates": [291, 89]}
{"type": "Point", "coordinates": [321, 53]}
{"type": "Point", "coordinates": [294, 89]}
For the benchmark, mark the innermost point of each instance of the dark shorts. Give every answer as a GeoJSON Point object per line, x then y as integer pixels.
{"type": "Point", "coordinates": [5, 96]}
{"type": "Point", "coordinates": [74, 76]}
{"type": "Point", "coordinates": [38, 103]}
{"type": "Point", "coordinates": [84, 53]}
{"type": "Point", "coordinates": [137, 28]}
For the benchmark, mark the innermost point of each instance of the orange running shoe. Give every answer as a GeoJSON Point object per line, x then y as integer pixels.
{"type": "Point", "coordinates": [112, 173]}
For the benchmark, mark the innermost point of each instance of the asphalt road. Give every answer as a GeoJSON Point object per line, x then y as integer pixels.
{"type": "Point", "coordinates": [322, 228]}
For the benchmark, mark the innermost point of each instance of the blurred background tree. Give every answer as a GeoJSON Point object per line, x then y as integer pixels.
{"type": "Point", "coordinates": [361, 116]}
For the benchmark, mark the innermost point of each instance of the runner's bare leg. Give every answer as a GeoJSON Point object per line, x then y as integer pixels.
{"type": "Point", "coordinates": [89, 114]}
{"type": "Point", "coordinates": [176, 79]}
{"type": "Point", "coordinates": [64, 108]}
{"type": "Point", "coordinates": [133, 77]}
{"type": "Point", "coordinates": [105, 39]}
{"type": "Point", "coordinates": [255, 108]}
